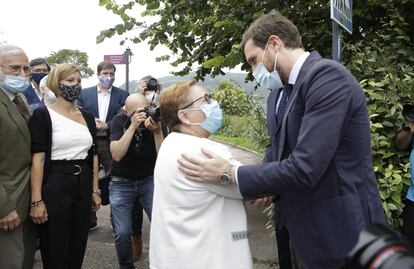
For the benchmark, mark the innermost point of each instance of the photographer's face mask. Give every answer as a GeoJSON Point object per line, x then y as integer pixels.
{"type": "Point", "coordinates": [266, 79]}
{"type": "Point", "coordinates": [152, 97]}
{"type": "Point", "coordinates": [214, 116]}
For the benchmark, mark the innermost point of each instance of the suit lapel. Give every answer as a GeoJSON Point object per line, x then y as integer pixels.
{"type": "Point", "coordinates": [312, 59]}
{"type": "Point", "coordinates": [16, 117]}
{"type": "Point", "coordinates": [271, 115]}
{"type": "Point", "coordinates": [96, 104]}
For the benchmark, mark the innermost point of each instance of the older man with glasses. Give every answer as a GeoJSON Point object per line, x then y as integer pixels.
{"type": "Point", "coordinates": [17, 232]}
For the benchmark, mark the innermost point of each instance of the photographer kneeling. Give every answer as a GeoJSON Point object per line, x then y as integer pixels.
{"type": "Point", "coordinates": [135, 139]}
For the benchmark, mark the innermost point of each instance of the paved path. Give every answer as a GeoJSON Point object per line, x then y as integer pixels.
{"type": "Point", "coordinates": [100, 253]}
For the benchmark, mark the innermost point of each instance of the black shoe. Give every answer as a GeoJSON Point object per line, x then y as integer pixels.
{"type": "Point", "coordinates": [93, 226]}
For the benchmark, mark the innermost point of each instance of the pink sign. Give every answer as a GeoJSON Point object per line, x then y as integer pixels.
{"type": "Point", "coordinates": [115, 59]}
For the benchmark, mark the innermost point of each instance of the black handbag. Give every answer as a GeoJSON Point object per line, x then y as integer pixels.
{"type": "Point", "coordinates": [103, 186]}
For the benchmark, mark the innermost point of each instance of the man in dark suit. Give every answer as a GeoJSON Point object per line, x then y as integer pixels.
{"type": "Point", "coordinates": [39, 68]}
{"type": "Point", "coordinates": [319, 162]}
{"type": "Point", "coordinates": [104, 101]}
{"type": "Point", "coordinates": [17, 232]}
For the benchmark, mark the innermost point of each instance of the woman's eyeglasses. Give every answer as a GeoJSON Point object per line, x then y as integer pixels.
{"type": "Point", "coordinates": [207, 98]}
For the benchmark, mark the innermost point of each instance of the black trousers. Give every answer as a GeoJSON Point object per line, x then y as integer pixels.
{"type": "Point", "coordinates": [282, 240]}
{"type": "Point", "coordinates": [67, 193]}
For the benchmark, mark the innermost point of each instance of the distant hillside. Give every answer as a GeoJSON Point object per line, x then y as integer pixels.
{"type": "Point", "coordinates": [212, 83]}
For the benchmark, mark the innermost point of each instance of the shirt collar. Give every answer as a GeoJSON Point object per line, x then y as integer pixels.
{"type": "Point", "coordinates": [11, 96]}
{"type": "Point", "coordinates": [293, 76]}
{"type": "Point", "coordinates": [100, 91]}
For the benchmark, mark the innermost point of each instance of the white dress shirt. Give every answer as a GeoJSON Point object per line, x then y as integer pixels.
{"type": "Point", "coordinates": [38, 92]}
{"type": "Point", "coordinates": [103, 102]}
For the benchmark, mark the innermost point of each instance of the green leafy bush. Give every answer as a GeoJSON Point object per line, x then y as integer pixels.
{"type": "Point", "coordinates": [383, 62]}
{"type": "Point", "coordinates": [233, 100]}
{"type": "Point", "coordinates": [243, 116]}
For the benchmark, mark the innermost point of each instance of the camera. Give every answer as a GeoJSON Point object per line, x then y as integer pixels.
{"type": "Point", "coordinates": [152, 83]}
{"type": "Point", "coordinates": [380, 247]}
{"type": "Point", "coordinates": [408, 112]}
{"type": "Point", "coordinates": [153, 112]}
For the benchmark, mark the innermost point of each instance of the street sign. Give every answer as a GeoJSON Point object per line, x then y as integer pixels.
{"type": "Point", "coordinates": [115, 59]}
{"type": "Point", "coordinates": [341, 13]}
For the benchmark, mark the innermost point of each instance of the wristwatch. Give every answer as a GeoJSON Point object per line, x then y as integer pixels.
{"type": "Point", "coordinates": [225, 178]}
{"type": "Point", "coordinates": [98, 192]}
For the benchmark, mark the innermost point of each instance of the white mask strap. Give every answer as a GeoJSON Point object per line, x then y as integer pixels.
{"type": "Point", "coordinates": [265, 51]}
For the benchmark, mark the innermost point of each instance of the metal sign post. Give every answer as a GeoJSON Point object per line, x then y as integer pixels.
{"type": "Point", "coordinates": [341, 15]}
{"type": "Point", "coordinates": [127, 57]}
{"type": "Point", "coordinates": [115, 59]}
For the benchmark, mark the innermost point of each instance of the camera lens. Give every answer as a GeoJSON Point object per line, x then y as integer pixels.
{"type": "Point", "coordinates": [153, 112]}
{"type": "Point", "coordinates": [380, 247]}
{"type": "Point", "coordinates": [152, 84]}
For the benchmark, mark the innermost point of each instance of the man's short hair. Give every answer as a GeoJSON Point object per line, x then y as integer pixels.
{"type": "Point", "coordinates": [273, 23]}
{"type": "Point", "coordinates": [105, 65]}
{"type": "Point", "coordinates": [39, 61]}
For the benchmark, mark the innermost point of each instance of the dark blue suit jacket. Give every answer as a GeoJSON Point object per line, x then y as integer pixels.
{"type": "Point", "coordinates": [88, 100]}
{"type": "Point", "coordinates": [320, 165]}
{"type": "Point", "coordinates": [32, 98]}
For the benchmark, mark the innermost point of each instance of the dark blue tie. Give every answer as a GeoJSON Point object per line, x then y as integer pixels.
{"type": "Point", "coordinates": [283, 103]}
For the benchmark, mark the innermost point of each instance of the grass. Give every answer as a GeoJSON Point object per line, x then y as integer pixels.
{"type": "Point", "coordinates": [244, 142]}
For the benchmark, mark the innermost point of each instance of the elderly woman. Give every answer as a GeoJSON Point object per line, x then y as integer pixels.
{"type": "Point", "coordinates": [64, 172]}
{"type": "Point", "coordinates": [194, 225]}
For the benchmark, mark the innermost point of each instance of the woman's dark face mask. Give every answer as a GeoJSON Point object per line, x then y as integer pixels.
{"type": "Point", "coordinates": [70, 93]}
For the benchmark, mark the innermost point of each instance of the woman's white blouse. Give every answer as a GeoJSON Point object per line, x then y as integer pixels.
{"type": "Point", "coordinates": [70, 139]}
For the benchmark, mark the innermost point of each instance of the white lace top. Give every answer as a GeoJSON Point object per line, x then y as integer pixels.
{"type": "Point", "coordinates": [70, 139]}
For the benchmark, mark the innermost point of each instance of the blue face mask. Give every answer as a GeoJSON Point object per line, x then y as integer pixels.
{"type": "Point", "coordinates": [214, 117]}
{"type": "Point", "coordinates": [266, 79]}
{"type": "Point", "coordinates": [15, 84]}
{"type": "Point", "coordinates": [37, 77]}
{"type": "Point", "coordinates": [106, 81]}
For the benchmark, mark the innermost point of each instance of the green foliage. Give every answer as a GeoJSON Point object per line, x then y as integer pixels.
{"type": "Point", "coordinates": [207, 34]}
{"type": "Point", "coordinates": [379, 53]}
{"type": "Point", "coordinates": [232, 99]}
{"type": "Point", "coordinates": [243, 142]}
{"type": "Point", "coordinates": [76, 57]}
{"type": "Point", "coordinates": [384, 63]}
{"type": "Point", "coordinates": [243, 116]}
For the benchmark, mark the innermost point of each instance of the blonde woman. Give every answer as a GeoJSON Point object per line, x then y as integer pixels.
{"type": "Point", "coordinates": [64, 173]}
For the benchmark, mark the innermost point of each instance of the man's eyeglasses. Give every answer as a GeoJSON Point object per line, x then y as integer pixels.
{"type": "Point", "coordinates": [40, 70]}
{"type": "Point", "coordinates": [16, 69]}
{"type": "Point", "coordinates": [207, 98]}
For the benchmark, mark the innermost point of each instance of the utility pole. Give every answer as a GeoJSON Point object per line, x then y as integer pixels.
{"type": "Point", "coordinates": [127, 57]}
{"type": "Point", "coordinates": [336, 42]}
